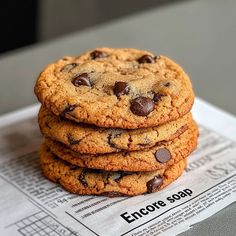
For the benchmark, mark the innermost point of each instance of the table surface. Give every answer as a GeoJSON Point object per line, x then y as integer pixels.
{"type": "Point", "coordinates": [199, 35]}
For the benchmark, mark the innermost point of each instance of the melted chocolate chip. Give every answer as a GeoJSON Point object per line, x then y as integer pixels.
{"type": "Point", "coordinates": [120, 88]}
{"type": "Point", "coordinates": [110, 137]}
{"type": "Point", "coordinates": [142, 106]}
{"type": "Point", "coordinates": [82, 179]}
{"type": "Point", "coordinates": [97, 54]}
{"type": "Point", "coordinates": [117, 176]}
{"type": "Point", "coordinates": [125, 154]}
{"type": "Point", "coordinates": [154, 184]}
{"type": "Point", "coordinates": [73, 167]}
{"type": "Point", "coordinates": [157, 97]}
{"type": "Point", "coordinates": [54, 156]}
{"type": "Point", "coordinates": [113, 194]}
{"type": "Point", "coordinates": [167, 84]}
{"type": "Point", "coordinates": [82, 79]}
{"type": "Point", "coordinates": [146, 59]}
{"type": "Point", "coordinates": [162, 155]}
{"type": "Point", "coordinates": [68, 67]}
{"type": "Point", "coordinates": [71, 140]}
{"type": "Point", "coordinates": [68, 109]}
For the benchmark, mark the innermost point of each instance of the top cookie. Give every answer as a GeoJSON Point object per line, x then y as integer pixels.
{"type": "Point", "coordinates": [120, 88]}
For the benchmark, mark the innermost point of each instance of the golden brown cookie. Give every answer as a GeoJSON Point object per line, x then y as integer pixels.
{"type": "Point", "coordinates": [158, 157]}
{"type": "Point", "coordinates": [90, 139]}
{"type": "Point", "coordinates": [121, 88]}
{"type": "Point", "coordinates": [112, 184]}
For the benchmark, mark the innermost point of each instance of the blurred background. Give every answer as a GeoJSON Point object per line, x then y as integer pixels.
{"type": "Point", "coordinates": [41, 20]}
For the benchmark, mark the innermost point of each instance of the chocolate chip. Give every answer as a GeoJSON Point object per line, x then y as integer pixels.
{"type": "Point", "coordinates": [120, 88]}
{"type": "Point", "coordinates": [142, 106]}
{"type": "Point", "coordinates": [71, 140]}
{"type": "Point", "coordinates": [167, 84]}
{"type": "Point", "coordinates": [113, 194]}
{"type": "Point", "coordinates": [111, 136]}
{"type": "Point", "coordinates": [82, 79]}
{"type": "Point", "coordinates": [73, 167]}
{"type": "Point", "coordinates": [162, 155]}
{"type": "Point", "coordinates": [157, 97]}
{"type": "Point", "coordinates": [97, 54]}
{"type": "Point", "coordinates": [125, 154]}
{"type": "Point", "coordinates": [146, 59]}
{"type": "Point", "coordinates": [154, 184]}
{"type": "Point", "coordinates": [54, 156]}
{"type": "Point", "coordinates": [68, 67]}
{"type": "Point", "coordinates": [82, 179]}
{"type": "Point", "coordinates": [68, 109]}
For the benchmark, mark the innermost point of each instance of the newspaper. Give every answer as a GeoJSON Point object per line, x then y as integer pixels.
{"type": "Point", "coordinates": [32, 205]}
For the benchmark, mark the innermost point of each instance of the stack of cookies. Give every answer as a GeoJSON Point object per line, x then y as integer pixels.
{"type": "Point", "coordinates": [116, 122]}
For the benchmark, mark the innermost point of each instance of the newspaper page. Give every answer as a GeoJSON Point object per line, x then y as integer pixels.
{"type": "Point", "coordinates": [32, 205]}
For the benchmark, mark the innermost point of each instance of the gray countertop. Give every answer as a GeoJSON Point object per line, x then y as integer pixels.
{"type": "Point", "coordinates": [199, 35]}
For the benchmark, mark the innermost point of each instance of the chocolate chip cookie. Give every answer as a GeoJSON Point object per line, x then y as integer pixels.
{"type": "Point", "coordinates": [90, 139]}
{"type": "Point", "coordinates": [118, 88]}
{"type": "Point", "coordinates": [112, 184]}
{"type": "Point", "coordinates": [158, 157]}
